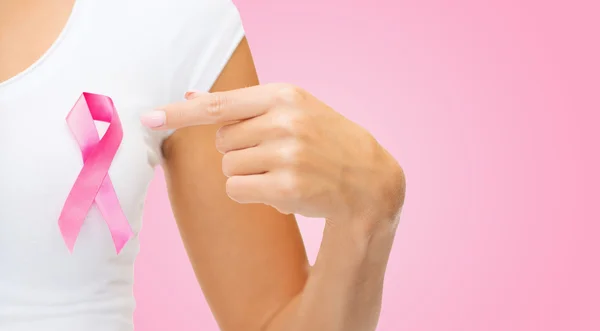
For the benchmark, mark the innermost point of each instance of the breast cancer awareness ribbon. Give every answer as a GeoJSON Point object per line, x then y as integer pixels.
{"type": "Point", "coordinates": [93, 183]}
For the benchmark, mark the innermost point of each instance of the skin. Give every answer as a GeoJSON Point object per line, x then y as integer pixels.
{"type": "Point", "coordinates": [235, 212]}
{"type": "Point", "coordinates": [16, 28]}
{"type": "Point", "coordinates": [276, 147]}
{"type": "Point", "coordinates": [248, 254]}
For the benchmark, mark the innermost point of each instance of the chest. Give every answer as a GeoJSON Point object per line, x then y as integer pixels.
{"type": "Point", "coordinates": [40, 158]}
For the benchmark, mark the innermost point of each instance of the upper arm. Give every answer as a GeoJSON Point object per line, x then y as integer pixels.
{"type": "Point", "coordinates": [249, 259]}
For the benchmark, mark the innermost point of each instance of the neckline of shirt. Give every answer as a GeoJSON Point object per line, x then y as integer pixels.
{"type": "Point", "coordinates": [77, 4]}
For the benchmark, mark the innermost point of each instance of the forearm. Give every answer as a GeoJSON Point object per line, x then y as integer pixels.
{"type": "Point", "coordinates": [344, 289]}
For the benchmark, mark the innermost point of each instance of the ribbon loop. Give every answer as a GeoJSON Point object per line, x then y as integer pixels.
{"type": "Point", "coordinates": [93, 183]}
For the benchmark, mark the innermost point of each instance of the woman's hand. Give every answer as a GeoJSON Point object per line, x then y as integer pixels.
{"type": "Point", "coordinates": [285, 148]}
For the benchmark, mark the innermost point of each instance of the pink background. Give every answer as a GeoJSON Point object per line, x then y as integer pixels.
{"type": "Point", "coordinates": [491, 107]}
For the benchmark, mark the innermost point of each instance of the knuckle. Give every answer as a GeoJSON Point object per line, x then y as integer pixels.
{"type": "Point", "coordinates": [216, 105]}
{"type": "Point", "coordinates": [292, 122]}
{"type": "Point", "coordinates": [177, 116]}
{"type": "Point", "coordinates": [291, 154]}
{"type": "Point", "coordinates": [290, 94]}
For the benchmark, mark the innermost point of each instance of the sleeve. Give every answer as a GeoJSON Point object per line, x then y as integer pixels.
{"type": "Point", "coordinates": [205, 43]}
{"type": "Point", "coordinates": [225, 36]}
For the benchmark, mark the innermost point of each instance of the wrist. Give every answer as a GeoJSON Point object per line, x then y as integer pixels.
{"type": "Point", "coordinates": [361, 231]}
{"type": "Point", "coordinates": [390, 193]}
{"type": "Point", "coordinates": [371, 205]}
{"type": "Point", "coordinates": [378, 214]}
{"type": "Point", "coordinates": [362, 234]}
{"type": "Point", "coordinates": [350, 255]}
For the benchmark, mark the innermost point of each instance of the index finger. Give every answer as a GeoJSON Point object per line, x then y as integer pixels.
{"type": "Point", "coordinates": [217, 107]}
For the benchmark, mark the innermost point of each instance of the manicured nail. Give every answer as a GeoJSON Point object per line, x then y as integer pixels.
{"type": "Point", "coordinates": [154, 119]}
{"type": "Point", "coordinates": [192, 94]}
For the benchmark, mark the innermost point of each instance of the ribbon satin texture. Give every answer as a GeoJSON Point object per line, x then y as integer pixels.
{"type": "Point", "coordinates": [93, 183]}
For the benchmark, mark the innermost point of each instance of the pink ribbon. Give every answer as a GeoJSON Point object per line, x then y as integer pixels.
{"type": "Point", "coordinates": [93, 183]}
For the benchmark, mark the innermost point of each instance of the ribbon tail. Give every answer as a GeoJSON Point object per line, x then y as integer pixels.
{"type": "Point", "coordinates": [76, 207]}
{"type": "Point", "coordinates": [113, 214]}
{"type": "Point", "coordinates": [69, 228]}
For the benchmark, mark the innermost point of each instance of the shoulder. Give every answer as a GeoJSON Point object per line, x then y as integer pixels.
{"type": "Point", "coordinates": [197, 36]}
{"type": "Point", "coordinates": [191, 41]}
{"type": "Point", "coordinates": [165, 20]}
{"type": "Point", "coordinates": [201, 37]}
{"type": "Point", "coordinates": [180, 13]}
{"type": "Point", "coordinates": [185, 42]}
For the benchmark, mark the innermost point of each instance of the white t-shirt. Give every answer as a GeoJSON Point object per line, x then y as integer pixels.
{"type": "Point", "coordinates": [142, 54]}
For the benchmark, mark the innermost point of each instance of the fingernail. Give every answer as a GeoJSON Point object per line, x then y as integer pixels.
{"type": "Point", "coordinates": [192, 94]}
{"type": "Point", "coordinates": [154, 119]}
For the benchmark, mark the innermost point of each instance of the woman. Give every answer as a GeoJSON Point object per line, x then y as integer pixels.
{"type": "Point", "coordinates": [278, 151]}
